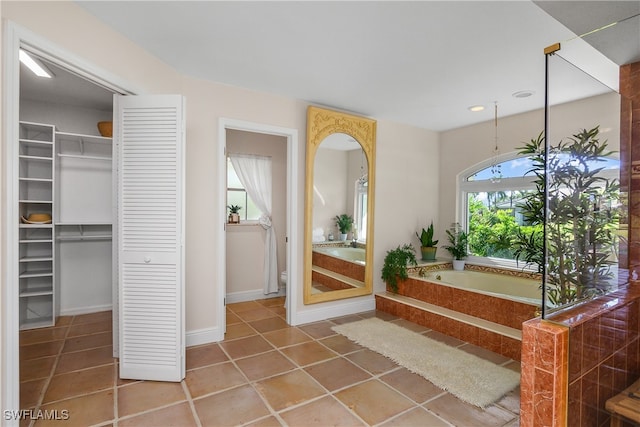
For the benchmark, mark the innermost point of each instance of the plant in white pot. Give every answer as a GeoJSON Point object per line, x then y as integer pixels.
{"type": "Point", "coordinates": [458, 240]}
{"type": "Point", "coordinates": [344, 223]}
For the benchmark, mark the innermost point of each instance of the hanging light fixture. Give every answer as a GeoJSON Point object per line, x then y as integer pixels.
{"type": "Point", "coordinates": [364, 176]}
{"type": "Point", "coordinates": [496, 168]}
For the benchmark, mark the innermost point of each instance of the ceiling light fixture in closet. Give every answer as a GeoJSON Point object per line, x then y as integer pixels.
{"type": "Point", "coordinates": [38, 68]}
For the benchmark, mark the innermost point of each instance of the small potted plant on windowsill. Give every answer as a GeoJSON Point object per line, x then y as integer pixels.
{"type": "Point", "coordinates": [427, 244]}
{"type": "Point", "coordinates": [234, 215]}
{"type": "Point", "coordinates": [458, 240]}
{"type": "Point", "coordinates": [395, 265]}
{"type": "Point", "coordinates": [344, 223]}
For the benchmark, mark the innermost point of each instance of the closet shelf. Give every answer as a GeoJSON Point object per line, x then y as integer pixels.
{"type": "Point", "coordinates": [36, 258]}
{"type": "Point", "coordinates": [85, 237]}
{"type": "Point", "coordinates": [36, 293]}
{"type": "Point", "coordinates": [80, 138]}
{"type": "Point", "coordinates": [84, 157]}
{"type": "Point", "coordinates": [36, 273]}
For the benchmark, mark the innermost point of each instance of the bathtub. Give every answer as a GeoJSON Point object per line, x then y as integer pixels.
{"type": "Point", "coordinates": [356, 255]}
{"type": "Point", "coordinates": [513, 288]}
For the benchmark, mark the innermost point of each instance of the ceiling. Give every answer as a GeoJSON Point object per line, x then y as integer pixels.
{"type": "Point", "coordinates": [421, 63]}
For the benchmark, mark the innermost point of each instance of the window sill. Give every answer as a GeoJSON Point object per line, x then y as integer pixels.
{"type": "Point", "coordinates": [501, 263]}
{"type": "Point", "coordinates": [246, 223]}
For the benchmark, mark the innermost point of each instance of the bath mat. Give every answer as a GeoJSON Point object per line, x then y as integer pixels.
{"type": "Point", "coordinates": [468, 377]}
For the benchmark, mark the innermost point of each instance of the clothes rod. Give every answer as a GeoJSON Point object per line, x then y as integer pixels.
{"type": "Point", "coordinates": [79, 238]}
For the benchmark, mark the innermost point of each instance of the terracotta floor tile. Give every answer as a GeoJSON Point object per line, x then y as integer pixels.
{"type": "Point", "coordinates": [179, 415]}
{"type": "Point", "coordinates": [289, 389]}
{"type": "Point", "coordinates": [85, 359]}
{"type": "Point", "coordinates": [146, 395]}
{"type": "Point", "coordinates": [244, 347]}
{"type": "Point", "coordinates": [213, 378]}
{"type": "Point", "coordinates": [318, 329]}
{"type": "Point", "coordinates": [89, 328]}
{"type": "Point", "coordinates": [411, 385]}
{"type": "Point", "coordinates": [264, 365]}
{"type": "Point", "coordinates": [43, 349]}
{"type": "Point", "coordinates": [204, 355]}
{"type": "Point", "coordinates": [270, 324]}
{"type": "Point", "coordinates": [286, 337]}
{"type": "Point", "coordinates": [374, 401]}
{"type": "Point", "coordinates": [307, 353]}
{"type": "Point", "coordinates": [100, 316]}
{"type": "Point", "coordinates": [82, 382]}
{"type": "Point", "coordinates": [86, 342]}
{"type": "Point", "coordinates": [239, 307]}
{"type": "Point", "coordinates": [323, 412]}
{"type": "Point", "coordinates": [36, 368]}
{"type": "Point", "coordinates": [341, 344]}
{"type": "Point", "coordinates": [346, 319]}
{"type": "Point", "coordinates": [232, 318]}
{"type": "Point", "coordinates": [269, 421]}
{"type": "Point", "coordinates": [458, 412]}
{"type": "Point", "coordinates": [416, 417]}
{"type": "Point", "coordinates": [372, 361]}
{"type": "Point", "coordinates": [237, 406]}
{"type": "Point", "coordinates": [42, 335]}
{"type": "Point", "coordinates": [30, 392]}
{"type": "Point", "coordinates": [238, 330]}
{"type": "Point", "coordinates": [256, 314]}
{"type": "Point", "coordinates": [272, 302]}
{"type": "Point", "coordinates": [280, 311]}
{"type": "Point", "coordinates": [337, 373]}
{"type": "Point", "coordinates": [90, 409]}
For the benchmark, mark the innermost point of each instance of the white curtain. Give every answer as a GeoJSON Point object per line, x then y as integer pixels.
{"type": "Point", "coordinates": [254, 173]}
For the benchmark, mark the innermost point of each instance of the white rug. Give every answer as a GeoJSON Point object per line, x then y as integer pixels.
{"type": "Point", "coordinates": [468, 377]}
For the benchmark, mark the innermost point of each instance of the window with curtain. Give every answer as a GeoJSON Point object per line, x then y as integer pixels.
{"type": "Point", "coordinates": [237, 195]}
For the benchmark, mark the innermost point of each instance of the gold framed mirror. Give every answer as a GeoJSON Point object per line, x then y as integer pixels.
{"type": "Point", "coordinates": [340, 183]}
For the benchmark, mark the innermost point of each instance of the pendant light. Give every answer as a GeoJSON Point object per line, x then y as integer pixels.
{"type": "Point", "coordinates": [496, 168]}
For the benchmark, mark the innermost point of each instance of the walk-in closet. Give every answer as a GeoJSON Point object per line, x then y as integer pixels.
{"type": "Point", "coordinates": [65, 200]}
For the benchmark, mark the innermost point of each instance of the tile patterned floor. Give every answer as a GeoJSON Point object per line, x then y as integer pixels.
{"type": "Point", "coordinates": [265, 373]}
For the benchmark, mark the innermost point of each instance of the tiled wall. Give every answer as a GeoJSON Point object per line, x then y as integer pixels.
{"type": "Point", "coordinates": [346, 268]}
{"type": "Point", "coordinates": [602, 337]}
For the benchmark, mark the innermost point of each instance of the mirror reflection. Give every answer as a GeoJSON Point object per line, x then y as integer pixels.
{"type": "Point", "coordinates": [338, 210]}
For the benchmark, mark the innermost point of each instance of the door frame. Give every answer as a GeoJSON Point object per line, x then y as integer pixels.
{"type": "Point", "coordinates": [294, 257]}
{"type": "Point", "coordinates": [15, 37]}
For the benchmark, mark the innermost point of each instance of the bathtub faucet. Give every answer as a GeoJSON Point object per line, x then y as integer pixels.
{"type": "Point", "coordinates": [354, 243]}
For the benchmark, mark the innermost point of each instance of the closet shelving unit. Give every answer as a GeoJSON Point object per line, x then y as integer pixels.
{"type": "Point", "coordinates": [36, 275]}
{"type": "Point", "coordinates": [68, 176]}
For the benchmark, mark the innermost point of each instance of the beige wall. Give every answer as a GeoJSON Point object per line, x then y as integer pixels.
{"type": "Point", "coordinates": [245, 243]}
{"type": "Point", "coordinates": [407, 158]}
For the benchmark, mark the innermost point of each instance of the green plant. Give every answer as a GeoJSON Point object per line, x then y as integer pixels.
{"type": "Point", "coordinates": [426, 237]}
{"type": "Point", "coordinates": [458, 240]}
{"type": "Point", "coordinates": [234, 208]}
{"type": "Point", "coordinates": [395, 265]}
{"type": "Point", "coordinates": [344, 223]}
{"type": "Point", "coordinates": [579, 222]}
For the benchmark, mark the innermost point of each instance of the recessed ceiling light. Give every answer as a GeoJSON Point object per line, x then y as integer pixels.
{"type": "Point", "coordinates": [522, 94]}
{"type": "Point", "coordinates": [476, 108]}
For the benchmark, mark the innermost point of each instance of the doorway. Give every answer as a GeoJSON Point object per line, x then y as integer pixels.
{"type": "Point", "coordinates": [292, 253]}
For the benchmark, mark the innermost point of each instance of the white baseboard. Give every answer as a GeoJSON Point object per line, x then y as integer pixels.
{"type": "Point", "coordinates": [346, 308]}
{"type": "Point", "coordinates": [252, 295]}
{"type": "Point", "coordinates": [204, 336]}
{"type": "Point", "coordinates": [85, 310]}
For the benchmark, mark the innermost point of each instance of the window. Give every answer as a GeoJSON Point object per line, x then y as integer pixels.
{"type": "Point", "coordinates": [491, 212]}
{"type": "Point", "coordinates": [237, 195]}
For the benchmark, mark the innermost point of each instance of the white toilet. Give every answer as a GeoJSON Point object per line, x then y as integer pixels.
{"type": "Point", "coordinates": [283, 278]}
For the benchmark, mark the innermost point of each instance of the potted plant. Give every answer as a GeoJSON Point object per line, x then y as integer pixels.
{"type": "Point", "coordinates": [344, 223]}
{"type": "Point", "coordinates": [427, 244]}
{"type": "Point", "coordinates": [395, 265]}
{"type": "Point", "coordinates": [234, 216]}
{"type": "Point", "coordinates": [458, 246]}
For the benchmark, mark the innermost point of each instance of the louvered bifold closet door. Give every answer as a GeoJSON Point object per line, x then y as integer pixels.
{"type": "Point", "coordinates": [150, 236]}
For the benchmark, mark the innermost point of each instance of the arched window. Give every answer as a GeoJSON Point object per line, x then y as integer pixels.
{"type": "Point", "coordinates": [490, 201]}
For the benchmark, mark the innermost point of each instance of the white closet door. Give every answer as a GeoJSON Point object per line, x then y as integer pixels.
{"type": "Point", "coordinates": [150, 133]}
